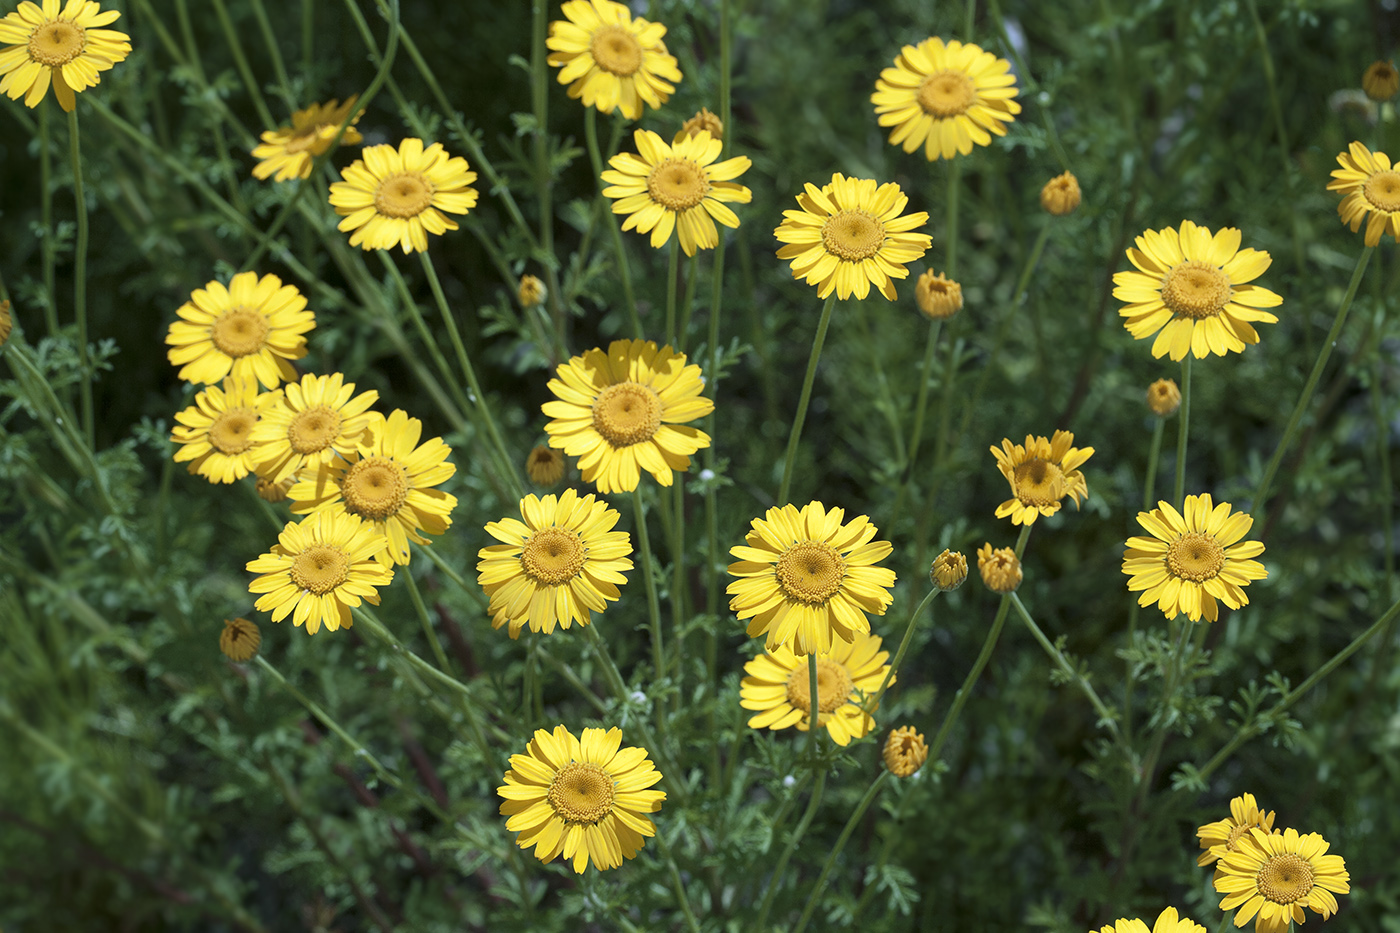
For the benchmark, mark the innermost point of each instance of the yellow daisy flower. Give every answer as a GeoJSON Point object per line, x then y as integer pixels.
{"type": "Point", "coordinates": [67, 48]}
{"type": "Point", "coordinates": [945, 98]}
{"type": "Point", "coordinates": [1190, 285]}
{"type": "Point", "coordinates": [779, 686]}
{"type": "Point", "coordinates": [1220, 838]}
{"type": "Point", "coordinates": [239, 640]}
{"type": "Point", "coordinates": [804, 576]}
{"type": "Point", "coordinates": [611, 60]}
{"type": "Point", "coordinates": [849, 235]}
{"type": "Point", "coordinates": [310, 424]}
{"type": "Point", "coordinates": [1168, 921]}
{"type": "Point", "coordinates": [625, 410]}
{"type": "Point", "coordinates": [319, 569]}
{"type": "Point", "coordinates": [559, 566]}
{"type": "Point", "coordinates": [667, 188]}
{"type": "Point", "coordinates": [397, 197]}
{"type": "Point", "coordinates": [1272, 877]}
{"type": "Point", "coordinates": [290, 150]}
{"type": "Point", "coordinates": [1191, 560]}
{"type": "Point", "coordinates": [583, 798]}
{"type": "Point", "coordinates": [1372, 187]}
{"type": "Point", "coordinates": [216, 433]}
{"type": "Point", "coordinates": [388, 481]}
{"type": "Point", "coordinates": [1041, 474]}
{"type": "Point", "coordinates": [249, 330]}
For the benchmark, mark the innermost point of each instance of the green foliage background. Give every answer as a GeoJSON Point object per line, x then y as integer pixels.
{"type": "Point", "coordinates": [148, 784]}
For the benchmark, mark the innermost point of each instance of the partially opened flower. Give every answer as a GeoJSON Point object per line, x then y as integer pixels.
{"type": "Point", "coordinates": [289, 151]}
{"type": "Point", "coordinates": [1220, 838]}
{"type": "Point", "coordinates": [807, 579]}
{"type": "Point", "coordinates": [905, 751]}
{"type": "Point", "coordinates": [215, 434]}
{"type": "Point", "coordinates": [1168, 921]}
{"type": "Point", "coordinates": [251, 330]}
{"type": "Point", "coordinates": [1372, 188]}
{"type": "Point", "coordinates": [396, 197]}
{"type": "Point", "coordinates": [585, 799]}
{"type": "Point", "coordinates": [610, 59]}
{"type": "Point", "coordinates": [678, 187]}
{"type": "Point", "coordinates": [313, 422]}
{"type": "Point", "coordinates": [1192, 558]}
{"type": "Point", "coordinates": [849, 235]}
{"type": "Point", "coordinates": [1271, 878]}
{"type": "Point", "coordinates": [945, 98]}
{"type": "Point", "coordinates": [557, 567]}
{"type": "Point", "coordinates": [66, 48]}
{"type": "Point", "coordinates": [779, 687]}
{"type": "Point", "coordinates": [703, 120]}
{"type": "Point", "coordinates": [625, 411]}
{"type": "Point", "coordinates": [1191, 290]}
{"type": "Point", "coordinates": [1042, 472]}
{"type": "Point", "coordinates": [1000, 568]}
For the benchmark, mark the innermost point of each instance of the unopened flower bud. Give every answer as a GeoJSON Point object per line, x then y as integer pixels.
{"type": "Point", "coordinates": [949, 570]}
{"type": "Point", "coordinates": [532, 291]}
{"type": "Point", "coordinates": [1000, 568]}
{"type": "Point", "coordinates": [938, 297]}
{"type": "Point", "coordinates": [905, 751]}
{"type": "Point", "coordinates": [1164, 398]}
{"type": "Point", "coordinates": [1060, 196]}
{"type": "Point", "coordinates": [1381, 81]}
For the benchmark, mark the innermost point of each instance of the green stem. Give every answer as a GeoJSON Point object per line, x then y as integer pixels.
{"type": "Point", "coordinates": [1149, 496]}
{"type": "Point", "coordinates": [80, 277]}
{"type": "Point", "coordinates": [781, 867]}
{"type": "Point", "coordinates": [1170, 683]}
{"type": "Point", "coordinates": [874, 702]}
{"type": "Point", "coordinates": [945, 410]}
{"type": "Point", "coordinates": [815, 894]}
{"type": "Point", "coordinates": [421, 326]}
{"type": "Point", "coordinates": [46, 213]}
{"type": "Point", "coordinates": [951, 229]}
{"type": "Point", "coordinates": [796, 434]}
{"type": "Point", "coordinates": [240, 62]}
{"type": "Point", "coordinates": [590, 132]}
{"type": "Point", "coordinates": [658, 654]}
{"type": "Point", "coordinates": [1149, 485]}
{"type": "Point", "coordinates": [425, 620]}
{"type": "Point", "coordinates": [544, 177]}
{"type": "Point", "coordinates": [1182, 428]}
{"type": "Point", "coordinates": [1106, 717]}
{"type": "Point", "coordinates": [814, 716]}
{"type": "Point", "coordinates": [681, 897]}
{"type": "Point", "coordinates": [921, 405]}
{"type": "Point", "coordinates": [1296, 418]}
{"type": "Point", "coordinates": [672, 273]}
{"type": "Point", "coordinates": [279, 68]}
{"type": "Point", "coordinates": [678, 579]}
{"type": "Point", "coordinates": [688, 302]}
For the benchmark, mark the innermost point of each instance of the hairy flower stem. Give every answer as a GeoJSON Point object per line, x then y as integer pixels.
{"type": "Point", "coordinates": [1261, 492]}
{"type": "Point", "coordinates": [590, 133]}
{"type": "Point", "coordinates": [874, 702]}
{"type": "Point", "coordinates": [658, 653]}
{"type": "Point", "coordinates": [780, 869]}
{"type": "Point", "coordinates": [1182, 428]}
{"type": "Point", "coordinates": [80, 250]}
{"type": "Point", "coordinates": [816, 891]}
{"type": "Point", "coordinates": [1105, 716]}
{"type": "Point", "coordinates": [796, 434]}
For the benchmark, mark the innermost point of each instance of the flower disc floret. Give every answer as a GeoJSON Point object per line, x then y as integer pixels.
{"type": "Point", "coordinates": [251, 330]}
{"type": "Point", "coordinates": [396, 197]}
{"type": "Point", "coordinates": [779, 688]}
{"type": "Point", "coordinates": [611, 60]}
{"type": "Point", "coordinates": [65, 47]}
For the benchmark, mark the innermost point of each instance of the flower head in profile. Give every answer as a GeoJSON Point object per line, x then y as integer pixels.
{"type": "Point", "coordinates": [945, 97]}
{"type": "Point", "coordinates": [251, 330]}
{"type": "Point", "coordinates": [388, 480]}
{"type": "Point", "coordinates": [849, 235]}
{"type": "Point", "coordinates": [1220, 838]}
{"type": "Point", "coordinates": [1272, 877]}
{"type": "Point", "coordinates": [1381, 81]}
{"type": "Point", "coordinates": [779, 687]}
{"type": "Point", "coordinates": [1163, 398]}
{"type": "Point", "coordinates": [313, 422]}
{"type": "Point", "coordinates": [67, 48]}
{"type": "Point", "coordinates": [239, 640]}
{"type": "Point", "coordinates": [807, 578]}
{"type": "Point", "coordinates": [396, 197]}
{"type": "Point", "coordinates": [1372, 188]}
{"type": "Point", "coordinates": [215, 434]}
{"type": "Point", "coordinates": [289, 151]}
{"type": "Point", "coordinates": [545, 465]}
{"type": "Point", "coordinates": [585, 798]}
{"type": "Point", "coordinates": [1190, 559]}
{"type": "Point", "coordinates": [1042, 472]}
{"type": "Point", "coordinates": [703, 120]}
{"type": "Point", "coordinates": [1000, 568]}
{"type": "Point", "coordinates": [610, 59]}
{"type": "Point", "coordinates": [678, 187]}
{"type": "Point", "coordinates": [937, 296]}
{"type": "Point", "coordinates": [560, 565]}
{"type": "Point", "coordinates": [625, 411]}
{"type": "Point", "coordinates": [905, 751]}
{"type": "Point", "coordinates": [1061, 194]}
{"type": "Point", "coordinates": [1168, 921]}
{"type": "Point", "coordinates": [319, 569]}
{"type": "Point", "coordinates": [1191, 290]}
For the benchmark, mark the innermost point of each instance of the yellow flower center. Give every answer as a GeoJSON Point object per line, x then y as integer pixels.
{"type": "Point", "coordinates": [57, 43]}
{"type": "Point", "coordinates": [239, 332]}
{"type": "Point", "coordinates": [1196, 289]}
{"type": "Point", "coordinates": [833, 687]}
{"type": "Point", "coordinates": [314, 430]}
{"type": "Point", "coordinates": [626, 414]}
{"type": "Point", "coordinates": [1285, 878]}
{"type": "Point", "coordinates": [553, 556]}
{"type": "Point", "coordinates": [320, 568]}
{"type": "Point", "coordinates": [582, 793]}
{"type": "Point", "coordinates": [678, 184]}
{"type": "Point", "coordinates": [1383, 191]}
{"type": "Point", "coordinates": [1039, 482]}
{"type": "Point", "coordinates": [375, 488]}
{"type": "Point", "coordinates": [616, 50]}
{"type": "Point", "coordinates": [853, 235]}
{"type": "Point", "coordinates": [231, 432]}
{"type": "Point", "coordinates": [811, 572]}
{"type": "Point", "coordinates": [1195, 556]}
{"type": "Point", "coordinates": [947, 94]}
{"type": "Point", "coordinates": [404, 194]}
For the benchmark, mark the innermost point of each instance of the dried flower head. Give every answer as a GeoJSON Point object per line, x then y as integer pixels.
{"type": "Point", "coordinates": [1060, 196]}
{"type": "Point", "coordinates": [949, 570]}
{"type": "Point", "coordinates": [905, 750]}
{"type": "Point", "coordinates": [938, 297]}
{"type": "Point", "coordinates": [1000, 568]}
{"type": "Point", "coordinates": [1164, 398]}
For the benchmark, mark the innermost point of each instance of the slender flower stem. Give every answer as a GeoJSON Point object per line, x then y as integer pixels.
{"type": "Point", "coordinates": [425, 620]}
{"type": "Point", "coordinates": [921, 405]}
{"type": "Point", "coordinates": [951, 271]}
{"type": "Point", "coordinates": [815, 895]}
{"type": "Point", "coordinates": [781, 867]}
{"type": "Point", "coordinates": [678, 579]}
{"type": "Point", "coordinates": [796, 435]}
{"type": "Point", "coordinates": [950, 253]}
{"type": "Point", "coordinates": [678, 884]}
{"type": "Point", "coordinates": [1169, 687]}
{"type": "Point", "coordinates": [80, 277]}
{"type": "Point", "coordinates": [279, 68]}
{"type": "Point", "coordinates": [240, 61]}
{"type": "Point", "coordinates": [421, 326]}
{"type": "Point", "coordinates": [672, 273]}
{"type": "Point", "coordinates": [814, 707]}
{"type": "Point", "coordinates": [1182, 427]}
{"type": "Point", "coordinates": [1149, 497]}
{"type": "Point", "coordinates": [1262, 491]}
{"type": "Point", "coordinates": [688, 302]}
{"type": "Point", "coordinates": [658, 654]}
{"type": "Point", "coordinates": [46, 214]}
{"type": "Point", "coordinates": [1105, 716]}
{"type": "Point", "coordinates": [874, 702]}
{"type": "Point", "coordinates": [590, 133]}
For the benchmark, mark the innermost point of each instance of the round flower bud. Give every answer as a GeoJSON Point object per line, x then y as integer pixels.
{"type": "Point", "coordinates": [272, 492]}
{"type": "Point", "coordinates": [704, 120]}
{"type": "Point", "coordinates": [949, 570]}
{"type": "Point", "coordinates": [905, 751]}
{"type": "Point", "coordinates": [239, 640]}
{"type": "Point", "coordinates": [1060, 196]}
{"type": "Point", "coordinates": [938, 297]}
{"type": "Point", "coordinates": [544, 466]}
{"type": "Point", "coordinates": [1000, 568]}
{"type": "Point", "coordinates": [1164, 398]}
{"type": "Point", "coordinates": [1381, 81]}
{"type": "Point", "coordinates": [532, 291]}
{"type": "Point", "coordinates": [6, 321]}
